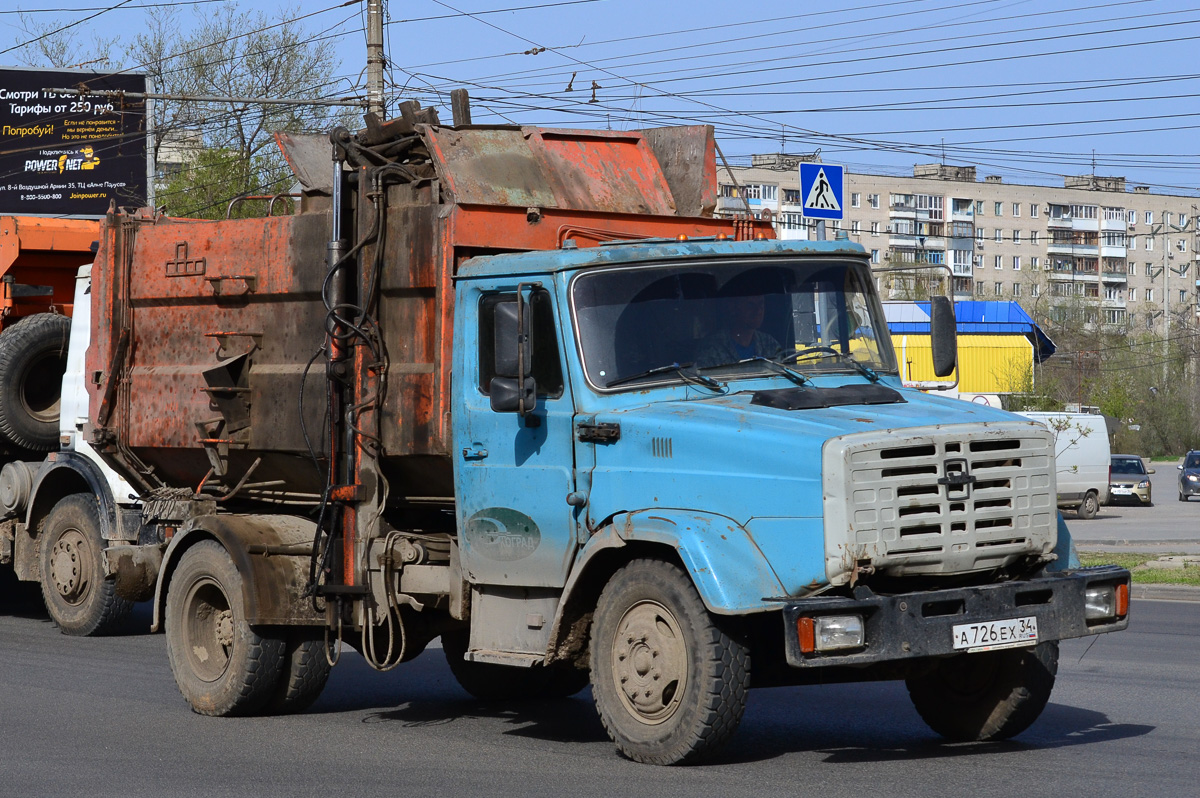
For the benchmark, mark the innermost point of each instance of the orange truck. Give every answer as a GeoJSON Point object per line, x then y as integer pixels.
{"type": "Point", "coordinates": [39, 258]}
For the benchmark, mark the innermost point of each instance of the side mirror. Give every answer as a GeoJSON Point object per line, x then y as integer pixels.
{"type": "Point", "coordinates": [1151, 471]}
{"type": "Point", "coordinates": [513, 389]}
{"type": "Point", "coordinates": [943, 335]}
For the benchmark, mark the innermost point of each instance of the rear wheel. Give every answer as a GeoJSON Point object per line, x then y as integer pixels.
{"type": "Point", "coordinates": [670, 685]}
{"type": "Point", "coordinates": [222, 665]}
{"type": "Point", "coordinates": [490, 682]}
{"type": "Point", "coordinates": [988, 696]}
{"type": "Point", "coordinates": [70, 547]}
{"type": "Point", "coordinates": [33, 357]}
{"type": "Point", "coordinates": [1088, 507]}
{"type": "Point", "coordinates": [305, 672]}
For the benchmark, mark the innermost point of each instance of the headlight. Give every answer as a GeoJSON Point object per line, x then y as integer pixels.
{"type": "Point", "coordinates": [1145, 483]}
{"type": "Point", "coordinates": [1105, 601]}
{"type": "Point", "coordinates": [830, 633]}
{"type": "Point", "coordinates": [1193, 477]}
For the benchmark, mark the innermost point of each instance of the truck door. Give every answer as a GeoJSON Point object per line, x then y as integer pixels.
{"type": "Point", "coordinates": [513, 474]}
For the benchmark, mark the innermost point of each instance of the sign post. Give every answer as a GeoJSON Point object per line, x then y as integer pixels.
{"type": "Point", "coordinates": [822, 189]}
{"type": "Point", "coordinates": [70, 155]}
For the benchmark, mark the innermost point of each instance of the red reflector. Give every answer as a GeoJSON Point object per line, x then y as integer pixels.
{"type": "Point", "coordinates": [681, 237]}
{"type": "Point", "coordinates": [808, 635]}
{"type": "Point", "coordinates": [1122, 600]}
{"type": "Point", "coordinates": [722, 237]}
{"type": "Point", "coordinates": [760, 237]}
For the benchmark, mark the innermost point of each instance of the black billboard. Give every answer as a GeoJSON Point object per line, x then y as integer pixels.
{"type": "Point", "coordinates": [67, 154]}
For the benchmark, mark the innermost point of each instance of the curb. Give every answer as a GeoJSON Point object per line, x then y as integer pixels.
{"type": "Point", "coordinates": [1165, 592]}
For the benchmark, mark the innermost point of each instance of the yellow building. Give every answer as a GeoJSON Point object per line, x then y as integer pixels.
{"type": "Point", "coordinates": [998, 343]}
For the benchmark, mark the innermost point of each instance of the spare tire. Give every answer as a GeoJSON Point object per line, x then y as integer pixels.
{"type": "Point", "coordinates": [33, 357]}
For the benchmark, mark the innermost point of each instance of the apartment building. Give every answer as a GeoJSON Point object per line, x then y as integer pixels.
{"type": "Point", "coordinates": [1093, 251]}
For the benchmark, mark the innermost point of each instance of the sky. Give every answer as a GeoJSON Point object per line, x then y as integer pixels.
{"type": "Point", "coordinates": [1031, 90]}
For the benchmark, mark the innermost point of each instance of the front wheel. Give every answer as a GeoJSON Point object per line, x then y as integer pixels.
{"type": "Point", "coordinates": [222, 665]}
{"type": "Point", "coordinates": [70, 551]}
{"type": "Point", "coordinates": [1089, 507]}
{"type": "Point", "coordinates": [670, 685]}
{"type": "Point", "coordinates": [993, 695]}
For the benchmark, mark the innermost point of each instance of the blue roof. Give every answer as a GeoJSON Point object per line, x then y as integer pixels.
{"type": "Point", "coordinates": [974, 318]}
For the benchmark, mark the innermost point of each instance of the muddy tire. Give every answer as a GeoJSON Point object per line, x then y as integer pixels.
{"type": "Point", "coordinates": [1088, 508]}
{"type": "Point", "coordinates": [305, 672]}
{"type": "Point", "coordinates": [70, 551]}
{"type": "Point", "coordinates": [989, 696]}
{"type": "Point", "coordinates": [670, 685]}
{"type": "Point", "coordinates": [33, 357]}
{"type": "Point", "coordinates": [489, 682]}
{"type": "Point", "coordinates": [222, 665]}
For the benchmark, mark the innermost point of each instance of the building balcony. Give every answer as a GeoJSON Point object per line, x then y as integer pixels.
{"type": "Point", "coordinates": [1075, 276]}
{"type": "Point", "coordinates": [1112, 303]}
{"type": "Point", "coordinates": [1113, 224]}
{"type": "Point", "coordinates": [734, 204]}
{"type": "Point", "coordinates": [1108, 251]}
{"type": "Point", "coordinates": [908, 241]}
{"type": "Point", "coordinates": [1062, 248]}
{"type": "Point", "coordinates": [1061, 223]}
{"type": "Point", "coordinates": [1115, 277]}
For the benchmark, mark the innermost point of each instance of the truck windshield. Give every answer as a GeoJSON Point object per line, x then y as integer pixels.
{"type": "Point", "coordinates": [727, 320]}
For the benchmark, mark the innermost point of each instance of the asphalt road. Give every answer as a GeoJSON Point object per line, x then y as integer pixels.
{"type": "Point", "coordinates": [102, 717]}
{"type": "Point", "coordinates": [1168, 525]}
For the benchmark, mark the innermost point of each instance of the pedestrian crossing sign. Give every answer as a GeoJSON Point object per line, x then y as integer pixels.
{"type": "Point", "coordinates": [821, 187]}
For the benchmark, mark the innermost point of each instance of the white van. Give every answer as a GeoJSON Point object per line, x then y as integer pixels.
{"type": "Point", "coordinates": [1082, 459]}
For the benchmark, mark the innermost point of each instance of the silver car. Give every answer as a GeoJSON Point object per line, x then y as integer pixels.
{"type": "Point", "coordinates": [1129, 479]}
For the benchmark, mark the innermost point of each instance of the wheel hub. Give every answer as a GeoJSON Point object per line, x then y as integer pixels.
{"type": "Point", "coordinates": [66, 566]}
{"type": "Point", "coordinates": [650, 662]}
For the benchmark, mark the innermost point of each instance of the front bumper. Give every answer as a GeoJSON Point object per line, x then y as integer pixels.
{"type": "Point", "coordinates": [1125, 492]}
{"type": "Point", "coordinates": [1189, 488]}
{"type": "Point", "coordinates": [917, 625]}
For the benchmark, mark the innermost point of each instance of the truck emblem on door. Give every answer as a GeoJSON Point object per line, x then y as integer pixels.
{"type": "Point", "coordinates": [500, 533]}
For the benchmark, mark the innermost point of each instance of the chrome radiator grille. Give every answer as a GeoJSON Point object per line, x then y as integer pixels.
{"type": "Point", "coordinates": [938, 500]}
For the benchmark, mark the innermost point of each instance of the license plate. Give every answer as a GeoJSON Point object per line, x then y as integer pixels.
{"type": "Point", "coordinates": [992, 635]}
{"type": "Point", "coordinates": [1122, 491]}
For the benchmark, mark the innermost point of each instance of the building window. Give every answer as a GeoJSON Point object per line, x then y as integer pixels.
{"type": "Point", "coordinates": [1132, 269]}
{"type": "Point", "coordinates": [791, 196]}
{"type": "Point", "coordinates": [1182, 296]}
{"type": "Point", "coordinates": [1149, 243]}
{"type": "Point", "coordinates": [1183, 220]}
{"type": "Point", "coordinates": [999, 234]}
{"type": "Point", "coordinates": [874, 228]}
{"type": "Point", "coordinates": [1034, 264]}
{"type": "Point", "coordinates": [874, 256]}
{"type": "Point", "coordinates": [1181, 245]}
{"type": "Point", "coordinates": [1133, 295]}
{"type": "Point", "coordinates": [855, 227]}
{"type": "Point", "coordinates": [979, 233]}
{"type": "Point", "coordinates": [1166, 217]}
{"type": "Point", "coordinates": [978, 261]}
{"type": "Point", "coordinates": [999, 288]}
{"type": "Point", "coordinates": [979, 207]}
{"type": "Point", "coordinates": [873, 201]}
{"type": "Point", "coordinates": [1133, 217]}
{"type": "Point", "coordinates": [1112, 239]}
{"type": "Point", "coordinates": [998, 263]}
{"type": "Point", "coordinates": [1033, 211]}
{"type": "Point", "coordinates": [1034, 290]}
{"type": "Point", "coordinates": [1016, 263]}
{"type": "Point", "coordinates": [1016, 209]}
{"type": "Point", "coordinates": [979, 287]}
{"type": "Point", "coordinates": [1132, 242]}
{"type": "Point", "coordinates": [1084, 211]}
{"type": "Point", "coordinates": [1114, 214]}
{"type": "Point", "coordinates": [770, 192]}
{"type": "Point", "coordinates": [1149, 217]}
{"type": "Point", "coordinates": [1016, 289]}
{"type": "Point", "coordinates": [1149, 294]}
{"type": "Point", "coordinates": [998, 207]}
{"type": "Point", "coordinates": [855, 200]}
{"type": "Point", "coordinates": [1033, 236]}
{"type": "Point", "coordinates": [1016, 236]}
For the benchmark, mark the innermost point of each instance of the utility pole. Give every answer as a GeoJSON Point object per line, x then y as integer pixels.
{"type": "Point", "coordinates": [375, 103]}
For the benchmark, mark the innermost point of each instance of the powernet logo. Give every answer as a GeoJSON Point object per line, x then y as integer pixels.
{"type": "Point", "coordinates": [69, 161]}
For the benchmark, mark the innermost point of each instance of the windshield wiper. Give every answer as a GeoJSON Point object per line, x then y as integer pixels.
{"type": "Point", "coordinates": [792, 357]}
{"type": "Point", "coordinates": [798, 377]}
{"type": "Point", "coordinates": [684, 370]}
